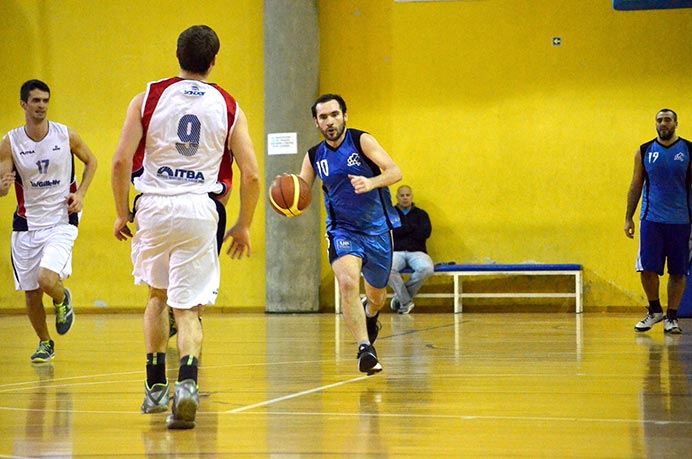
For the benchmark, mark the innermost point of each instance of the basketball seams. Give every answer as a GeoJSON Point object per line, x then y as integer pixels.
{"type": "Point", "coordinates": [296, 195]}
{"type": "Point", "coordinates": [287, 201]}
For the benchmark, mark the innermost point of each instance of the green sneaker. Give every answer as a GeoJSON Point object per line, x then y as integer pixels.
{"type": "Point", "coordinates": [64, 314]}
{"type": "Point", "coordinates": [44, 352]}
{"type": "Point", "coordinates": [155, 398]}
{"type": "Point", "coordinates": [185, 404]}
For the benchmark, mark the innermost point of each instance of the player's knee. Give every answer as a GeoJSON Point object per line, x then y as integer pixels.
{"type": "Point", "coordinates": [348, 285]}
{"type": "Point", "coordinates": [428, 271]}
{"type": "Point", "coordinates": [677, 279]}
{"type": "Point", "coordinates": [47, 279]}
{"type": "Point", "coordinates": [378, 299]}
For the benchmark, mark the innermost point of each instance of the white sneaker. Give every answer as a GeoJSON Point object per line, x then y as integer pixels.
{"type": "Point", "coordinates": [671, 326]}
{"type": "Point", "coordinates": [406, 308]}
{"type": "Point", "coordinates": [649, 321]}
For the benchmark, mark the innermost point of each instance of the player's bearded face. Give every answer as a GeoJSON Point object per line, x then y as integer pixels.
{"type": "Point", "coordinates": [333, 131]}
{"type": "Point", "coordinates": [666, 132]}
{"type": "Point", "coordinates": [330, 120]}
{"type": "Point", "coordinates": [665, 126]}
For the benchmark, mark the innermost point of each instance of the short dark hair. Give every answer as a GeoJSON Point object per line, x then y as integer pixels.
{"type": "Point", "coordinates": [30, 86]}
{"type": "Point", "coordinates": [326, 98]}
{"type": "Point", "coordinates": [197, 47]}
{"type": "Point", "coordinates": [675, 115]}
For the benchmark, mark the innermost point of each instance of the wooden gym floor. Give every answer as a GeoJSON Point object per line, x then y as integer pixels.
{"type": "Point", "coordinates": [472, 385]}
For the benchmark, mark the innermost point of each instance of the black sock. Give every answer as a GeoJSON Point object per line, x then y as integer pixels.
{"type": "Point", "coordinates": [655, 307]}
{"type": "Point", "coordinates": [156, 369]}
{"type": "Point", "coordinates": [188, 368]}
{"type": "Point", "coordinates": [672, 314]}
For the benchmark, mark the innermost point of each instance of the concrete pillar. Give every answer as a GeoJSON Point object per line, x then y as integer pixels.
{"type": "Point", "coordinates": [291, 84]}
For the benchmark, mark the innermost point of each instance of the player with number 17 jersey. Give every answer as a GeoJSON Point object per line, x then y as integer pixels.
{"type": "Point", "coordinates": [190, 154]}
{"type": "Point", "coordinates": [45, 178]}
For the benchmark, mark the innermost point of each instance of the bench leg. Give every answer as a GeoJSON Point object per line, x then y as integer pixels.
{"type": "Point", "coordinates": [457, 294]}
{"type": "Point", "coordinates": [578, 290]}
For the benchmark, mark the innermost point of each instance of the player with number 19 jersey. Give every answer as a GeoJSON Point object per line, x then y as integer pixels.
{"type": "Point", "coordinates": [190, 155]}
{"type": "Point", "coordinates": [666, 197]}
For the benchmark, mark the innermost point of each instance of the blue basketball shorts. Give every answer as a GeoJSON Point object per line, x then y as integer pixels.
{"type": "Point", "coordinates": [375, 251]}
{"type": "Point", "coordinates": [659, 242]}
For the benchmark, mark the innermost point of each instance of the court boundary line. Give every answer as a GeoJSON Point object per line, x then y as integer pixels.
{"type": "Point", "coordinates": [294, 395]}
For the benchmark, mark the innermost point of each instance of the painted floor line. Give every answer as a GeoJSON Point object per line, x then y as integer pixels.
{"type": "Point", "coordinates": [296, 395]}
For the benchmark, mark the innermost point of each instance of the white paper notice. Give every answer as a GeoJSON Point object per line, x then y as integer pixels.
{"type": "Point", "coordinates": [282, 143]}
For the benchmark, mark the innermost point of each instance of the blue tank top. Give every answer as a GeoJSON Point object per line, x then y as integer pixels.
{"type": "Point", "coordinates": [367, 213]}
{"type": "Point", "coordinates": [666, 194]}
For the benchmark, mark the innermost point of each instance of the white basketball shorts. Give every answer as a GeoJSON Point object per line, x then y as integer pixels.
{"type": "Point", "coordinates": [174, 248]}
{"type": "Point", "coordinates": [49, 248]}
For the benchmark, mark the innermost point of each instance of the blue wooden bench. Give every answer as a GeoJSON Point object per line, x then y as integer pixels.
{"type": "Point", "coordinates": [530, 269]}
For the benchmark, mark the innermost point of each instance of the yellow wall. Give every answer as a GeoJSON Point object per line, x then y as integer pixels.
{"type": "Point", "coordinates": [519, 150]}
{"type": "Point", "coordinates": [96, 56]}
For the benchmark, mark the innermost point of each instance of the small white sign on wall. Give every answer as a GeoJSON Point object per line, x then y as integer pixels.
{"type": "Point", "coordinates": [282, 143]}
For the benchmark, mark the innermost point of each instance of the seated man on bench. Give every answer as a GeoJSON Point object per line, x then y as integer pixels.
{"type": "Point", "coordinates": [409, 251]}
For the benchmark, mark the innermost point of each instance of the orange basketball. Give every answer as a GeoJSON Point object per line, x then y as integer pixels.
{"type": "Point", "coordinates": [289, 195]}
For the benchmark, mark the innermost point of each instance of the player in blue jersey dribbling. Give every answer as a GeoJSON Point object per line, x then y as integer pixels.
{"type": "Point", "coordinates": [355, 172]}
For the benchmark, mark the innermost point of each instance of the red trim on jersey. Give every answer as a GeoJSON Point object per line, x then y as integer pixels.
{"type": "Point", "coordinates": [226, 168]}
{"type": "Point", "coordinates": [73, 184]}
{"type": "Point", "coordinates": [19, 193]}
{"type": "Point", "coordinates": [152, 96]}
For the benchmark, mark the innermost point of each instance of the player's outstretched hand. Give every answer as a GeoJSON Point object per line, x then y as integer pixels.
{"type": "Point", "coordinates": [121, 230]}
{"type": "Point", "coordinates": [240, 242]}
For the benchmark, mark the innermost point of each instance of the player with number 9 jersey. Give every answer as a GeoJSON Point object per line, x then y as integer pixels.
{"type": "Point", "coordinates": [186, 125]}
{"type": "Point", "coordinates": [177, 145]}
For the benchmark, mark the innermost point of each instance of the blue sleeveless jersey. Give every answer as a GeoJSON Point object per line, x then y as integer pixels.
{"type": "Point", "coordinates": [368, 213]}
{"type": "Point", "coordinates": [666, 194]}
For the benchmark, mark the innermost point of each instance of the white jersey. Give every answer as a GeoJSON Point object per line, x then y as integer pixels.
{"type": "Point", "coordinates": [45, 176]}
{"type": "Point", "coordinates": [187, 124]}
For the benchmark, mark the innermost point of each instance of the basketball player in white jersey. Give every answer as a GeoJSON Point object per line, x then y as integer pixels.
{"type": "Point", "coordinates": [185, 131]}
{"type": "Point", "coordinates": [38, 159]}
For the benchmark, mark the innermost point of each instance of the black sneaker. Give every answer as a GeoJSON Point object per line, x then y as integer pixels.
{"type": "Point", "coordinates": [371, 322]}
{"type": "Point", "coordinates": [367, 359]}
{"type": "Point", "coordinates": [44, 352]}
{"type": "Point", "coordinates": [64, 314]}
